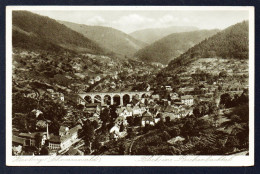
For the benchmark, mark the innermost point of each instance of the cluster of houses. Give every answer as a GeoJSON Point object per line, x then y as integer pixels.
{"type": "Point", "coordinates": [151, 109]}
{"type": "Point", "coordinates": [150, 114]}
{"type": "Point", "coordinates": [55, 143]}
{"type": "Point", "coordinates": [40, 93]}
{"type": "Point", "coordinates": [147, 108]}
{"type": "Point", "coordinates": [237, 70]}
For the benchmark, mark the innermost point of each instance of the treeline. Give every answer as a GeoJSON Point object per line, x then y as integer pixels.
{"type": "Point", "coordinates": [25, 120]}
{"type": "Point", "coordinates": [232, 42]}
{"type": "Point", "coordinates": [43, 31]}
{"type": "Point", "coordinates": [32, 43]}
{"type": "Point", "coordinates": [228, 101]}
{"type": "Point", "coordinates": [172, 46]}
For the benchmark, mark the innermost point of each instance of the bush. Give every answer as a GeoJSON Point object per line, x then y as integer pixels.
{"type": "Point", "coordinates": [137, 121]}
{"type": "Point", "coordinates": [175, 131]}
{"type": "Point", "coordinates": [130, 121]}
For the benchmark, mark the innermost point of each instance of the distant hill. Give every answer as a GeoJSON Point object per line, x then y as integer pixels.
{"type": "Point", "coordinates": [232, 42]}
{"type": "Point", "coordinates": [109, 38]}
{"type": "Point", "coordinates": [151, 35]}
{"type": "Point", "coordinates": [35, 32]}
{"type": "Point", "coordinates": [172, 46]}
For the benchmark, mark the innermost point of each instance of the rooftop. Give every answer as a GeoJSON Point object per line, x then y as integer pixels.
{"type": "Point", "coordinates": [17, 139]}
{"type": "Point", "coordinates": [186, 97]}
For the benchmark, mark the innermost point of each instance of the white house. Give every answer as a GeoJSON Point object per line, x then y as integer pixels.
{"type": "Point", "coordinates": [80, 100]}
{"type": "Point", "coordinates": [97, 78]}
{"type": "Point", "coordinates": [91, 81]}
{"type": "Point", "coordinates": [187, 100]}
{"type": "Point", "coordinates": [168, 88]}
{"type": "Point", "coordinates": [127, 112]}
{"type": "Point", "coordinates": [66, 138]}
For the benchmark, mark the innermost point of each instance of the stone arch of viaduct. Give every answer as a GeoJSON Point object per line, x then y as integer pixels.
{"type": "Point", "coordinates": [102, 95]}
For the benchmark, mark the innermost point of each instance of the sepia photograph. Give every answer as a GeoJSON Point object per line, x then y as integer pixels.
{"type": "Point", "coordinates": [115, 86]}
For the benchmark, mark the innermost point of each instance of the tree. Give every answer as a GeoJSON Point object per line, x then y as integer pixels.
{"type": "Point", "coordinates": [88, 134]}
{"type": "Point", "coordinates": [130, 121]}
{"type": "Point", "coordinates": [80, 107]}
{"type": "Point", "coordinates": [232, 142]}
{"type": "Point", "coordinates": [175, 131]}
{"type": "Point", "coordinates": [167, 120]}
{"type": "Point", "coordinates": [95, 124]}
{"type": "Point", "coordinates": [105, 115]}
{"type": "Point", "coordinates": [30, 122]}
{"type": "Point", "coordinates": [23, 105]}
{"type": "Point", "coordinates": [188, 128]}
{"type": "Point", "coordinates": [225, 99]}
{"type": "Point", "coordinates": [137, 121]}
{"type": "Point", "coordinates": [223, 74]}
{"type": "Point", "coordinates": [44, 151]}
{"type": "Point", "coordinates": [113, 114]}
{"type": "Point", "coordinates": [52, 110]}
{"type": "Point", "coordinates": [96, 144]}
{"type": "Point", "coordinates": [38, 140]}
{"type": "Point", "coordinates": [122, 128]}
{"type": "Point", "coordinates": [54, 126]}
{"type": "Point", "coordinates": [130, 133]}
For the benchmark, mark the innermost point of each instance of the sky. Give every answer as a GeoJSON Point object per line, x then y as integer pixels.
{"type": "Point", "coordinates": [130, 21]}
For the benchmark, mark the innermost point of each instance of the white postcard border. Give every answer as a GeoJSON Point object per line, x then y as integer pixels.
{"type": "Point", "coordinates": [127, 160]}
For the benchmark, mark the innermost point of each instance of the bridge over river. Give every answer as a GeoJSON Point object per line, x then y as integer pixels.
{"type": "Point", "coordinates": [105, 97]}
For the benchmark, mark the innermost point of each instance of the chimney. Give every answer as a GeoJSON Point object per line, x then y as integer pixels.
{"type": "Point", "coordinates": [48, 137]}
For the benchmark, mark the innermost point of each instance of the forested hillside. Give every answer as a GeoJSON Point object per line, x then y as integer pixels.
{"type": "Point", "coordinates": [151, 35]}
{"type": "Point", "coordinates": [35, 32]}
{"type": "Point", "coordinates": [230, 43]}
{"type": "Point", "coordinates": [172, 46]}
{"type": "Point", "coordinates": [109, 38]}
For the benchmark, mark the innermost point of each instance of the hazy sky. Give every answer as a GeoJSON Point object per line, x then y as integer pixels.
{"type": "Point", "coordinates": [129, 21]}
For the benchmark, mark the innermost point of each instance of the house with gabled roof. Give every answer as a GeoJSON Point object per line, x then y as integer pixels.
{"type": "Point", "coordinates": [147, 119]}
{"type": "Point", "coordinates": [66, 138]}
{"type": "Point", "coordinates": [187, 99]}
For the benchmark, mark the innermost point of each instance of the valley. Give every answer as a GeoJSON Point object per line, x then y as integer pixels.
{"type": "Point", "coordinates": [94, 90]}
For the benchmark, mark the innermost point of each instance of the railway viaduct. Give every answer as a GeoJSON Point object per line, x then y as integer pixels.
{"type": "Point", "coordinates": [102, 96]}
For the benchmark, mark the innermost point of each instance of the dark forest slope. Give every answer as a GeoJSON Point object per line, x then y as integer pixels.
{"type": "Point", "coordinates": [151, 35]}
{"type": "Point", "coordinates": [109, 38]}
{"type": "Point", "coordinates": [232, 42]}
{"type": "Point", "coordinates": [172, 46]}
{"type": "Point", "coordinates": [32, 31]}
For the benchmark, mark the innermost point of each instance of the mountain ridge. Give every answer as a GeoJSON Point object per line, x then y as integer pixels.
{"type": "Point", "coordinates": [109, 38]}
{"type": "Point", "coordinates": [172, 45]}
{"type": "Point", "coordinates": [150, 35]}
{"type": "Point", "coordinates": [231, 42]}
{"type": "Point", "coordinates": [33, 31]}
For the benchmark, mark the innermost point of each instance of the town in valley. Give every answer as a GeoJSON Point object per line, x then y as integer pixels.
{"type": "Point", "coordinates": [94, 90]}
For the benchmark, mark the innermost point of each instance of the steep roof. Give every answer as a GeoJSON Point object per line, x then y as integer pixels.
{"type": "Point", "coordinates": [62, 129]}
{"type": "Point", "coordinates": [81, 96]}
{"type": "Point", "coordinates": [70, 133]}
{"type": "Point", "coordinates": [90, 105]}
{"type": "Point", "coordinates": [147, 118]}
{"type": "Point", "coordinates": [129, 109]}
{"type": "Point", "coordinates": [147, 114]}
{"type": "Point", "coordinates": [178, 103]}
{"type": "Point", "coordinates": [185, 97]}
{"type": "Point", "coordinates": [18, 140]}
{"type": "Point", "coordinates": [136, 107]}
{"type": "Point", "coordinates": [169, 109]}
{"type": "Point", "coordinates": [30, 135]}
{"type": "Point", "coordinates": [54, 138]}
